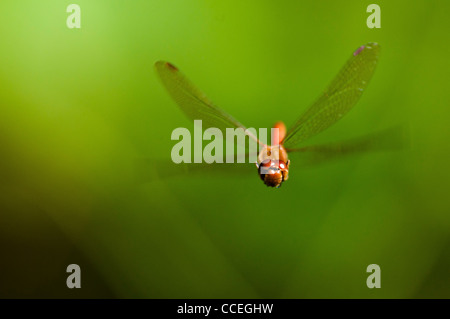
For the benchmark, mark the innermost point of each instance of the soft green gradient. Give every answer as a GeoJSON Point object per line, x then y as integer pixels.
{"type": "Point", "coordinates": [77, 107]}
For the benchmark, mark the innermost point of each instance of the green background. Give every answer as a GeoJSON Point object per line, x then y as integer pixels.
{"type": "Point", "coordinates": [78, 107]}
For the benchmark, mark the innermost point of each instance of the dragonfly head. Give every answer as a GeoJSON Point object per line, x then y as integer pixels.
{"type": "Point", "coordinates": [273, 172]}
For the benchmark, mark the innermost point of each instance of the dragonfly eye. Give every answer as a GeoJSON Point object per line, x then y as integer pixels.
{"type": "Point", "coordinates": [266, 163]}
{"type": "Point", "coordinates": [271, 166]}
{"type": "Point", "coordinates": [272, 172]}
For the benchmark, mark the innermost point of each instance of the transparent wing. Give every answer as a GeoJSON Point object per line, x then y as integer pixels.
{"type": "Point", "coordinates": [194, 102]}
{"type": "Point", "coordinates": [392, 139]}
{"type": "Point", "coordinates": [340, 96]}
{"type": "Point", "coordinates": [148, 169]}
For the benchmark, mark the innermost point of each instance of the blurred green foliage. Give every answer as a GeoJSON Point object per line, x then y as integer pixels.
{"type": "Point", "coordinates": [78, 107]}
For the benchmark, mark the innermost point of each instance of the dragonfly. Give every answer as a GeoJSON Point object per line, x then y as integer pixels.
{"type": "Point", "coordinates": [273, 162]}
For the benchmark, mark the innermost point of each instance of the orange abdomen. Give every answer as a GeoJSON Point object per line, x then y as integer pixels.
{"type": "Point", "coordinates": [278, 135]}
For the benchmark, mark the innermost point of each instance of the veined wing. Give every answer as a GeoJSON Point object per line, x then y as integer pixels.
{"type": "Point", "coordinates": [194, 102]}
{"type": "Point", "coordinates": [391, 139]}
{"type": "Point", "coordinates": [340, 96]}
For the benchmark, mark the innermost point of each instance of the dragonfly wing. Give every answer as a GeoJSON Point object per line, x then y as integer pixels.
{"type": "Point", "coordinates": [340, 96]}
{"type": "Point", "coordinates": [392, 139]}
{"type": "Point", "coordinates": [193, 102]}
{"type": "Point", "coordinates": [148, 169]}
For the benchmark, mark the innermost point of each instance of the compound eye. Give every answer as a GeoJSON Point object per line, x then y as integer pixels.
{"type": "Point", "coordinates": [282, 165]}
